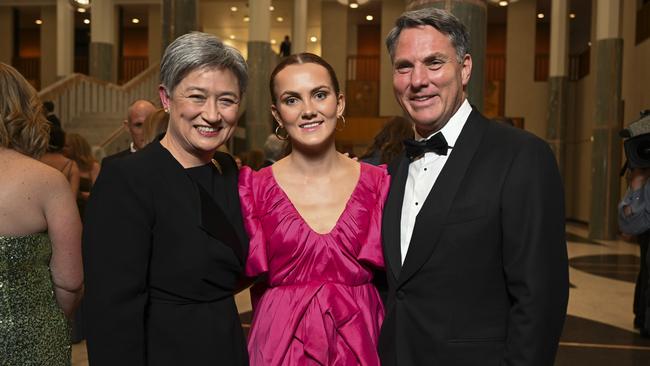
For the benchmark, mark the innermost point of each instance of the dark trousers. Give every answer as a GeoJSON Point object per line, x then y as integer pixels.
{"type": "Point", "coordinates": [642, 290]}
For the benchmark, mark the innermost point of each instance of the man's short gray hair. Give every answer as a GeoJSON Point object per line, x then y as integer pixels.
{"type": "Point", "coordinates": [443, 21]}
{"type": "Point", "coordinates": [274, 148]}
{"type": "Point", "coordinates": [198, 50]}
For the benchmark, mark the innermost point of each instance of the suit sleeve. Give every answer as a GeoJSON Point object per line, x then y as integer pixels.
{"type": "Point", "coordinates": [116, 248]}
{"type": "Point", "coordinates": [534, 256]}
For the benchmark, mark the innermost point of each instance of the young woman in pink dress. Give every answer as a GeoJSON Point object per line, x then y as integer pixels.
{"type": "Point", "coordinates": [314, 220]}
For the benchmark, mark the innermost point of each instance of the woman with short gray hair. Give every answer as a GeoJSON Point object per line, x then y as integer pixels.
{"type": "Point", "coordinates": [164, 241]}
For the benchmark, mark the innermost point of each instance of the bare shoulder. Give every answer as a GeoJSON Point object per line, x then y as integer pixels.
{"type": "Point", "coordinates": [37, 175]}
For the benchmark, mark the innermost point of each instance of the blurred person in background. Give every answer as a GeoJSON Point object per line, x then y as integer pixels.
{"type": "Point", "coordinates": [388, 144]}
{"type": "Point", "coordinates": [274, 149]}
{"type": "Point", "coordinates": [155, 125]}
{"type": "Point", "coordinates": [137, 113]}
{"type": "Point", "coordinates": [54, 157]}
{"type": "Point", "coordinates": [41, 277]}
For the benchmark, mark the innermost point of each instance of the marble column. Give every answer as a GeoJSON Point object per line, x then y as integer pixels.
{"type": "Point", "coordinates": [64, 39]}
{"type": "Point", "coordinates": [558, 82]}
{"type": "Point", "coordinates": [178, 17]}
{"type": "Point", "coordinates": [6, 34]}
{"type": "Point", "coordinates": [48, 45]}
{"type": "Point", "coordinates": [299, 27]}
{"type": "Point", "coordinates": [473, 13]}
{"type": "Point", "coordinates": [102, 40]}
{"type": "Point", "coordinates": [608, 113]}
{"type": "Point", "coordinates": [334, 38]}
{"type": "Point", "coordinates": [388, 106]}
{"type": "Point", "coordinates": [154, 38]}
{"type": "Point", "coordinates": [260, 60]}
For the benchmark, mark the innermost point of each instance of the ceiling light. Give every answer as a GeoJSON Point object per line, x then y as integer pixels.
{"type": "Point", "coordinates": [247, 18]}
{"type": "Point", "coordinates": [280, 19]}
{"type": "Point", "coordinates": [38, 21]}
{"type": "Point", "coordinates": [273, 41]}
{"type": "Point", "coordinates": [540, 15]}
{"type": "Point", "coordinates": [572, 15]}
{"type": "Point", "coordinates": [81, 10]}
{"type": "Point", "coordinates": [86, 21]}
{"type": "Point", "coordinates": [232, 36]}
{"type": "Point", "coordinates": [271, 8]}
{"type": "Point", "coordinates": [503, 3]}
{"type": "Point", "coordinates": [313, 39]}
{"type": "Point", "coordinates": [233, 8]}
{"type": "Point", "coordinates": [135, 20]}
{"type": "Point", "coordinates": [354, 5]}
{"type": "Point", "coordinates": [369, 17]}
{"type": "Point", "coordinates": [85, 4]}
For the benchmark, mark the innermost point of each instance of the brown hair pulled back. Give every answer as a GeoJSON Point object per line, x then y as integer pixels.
{"type": "Point", "coordinates": [299, 59]}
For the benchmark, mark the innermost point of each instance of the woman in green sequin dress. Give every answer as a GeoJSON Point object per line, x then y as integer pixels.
{"type": "Point", "coordinates": [40, 231]}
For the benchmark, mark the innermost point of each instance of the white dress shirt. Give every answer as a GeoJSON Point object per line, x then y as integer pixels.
{"type": "Point", "coordinates": [423, 174]}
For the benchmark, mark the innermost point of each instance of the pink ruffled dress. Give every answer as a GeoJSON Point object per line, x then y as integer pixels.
{"type": "Point", "coordinates": [320, 306]}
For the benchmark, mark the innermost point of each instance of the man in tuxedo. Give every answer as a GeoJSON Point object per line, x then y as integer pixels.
{"type": "Point", "coordinates": [473, 226]}
{"type": "Point", "coordinates": [138, 112]}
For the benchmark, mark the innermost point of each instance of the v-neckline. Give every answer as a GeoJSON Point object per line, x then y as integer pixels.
{"type": "Point", "coordinates": [302, 218]}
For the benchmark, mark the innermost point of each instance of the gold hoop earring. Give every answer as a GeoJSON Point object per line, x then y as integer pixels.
{"type": "Point", "coordinates": [283, 138]}
{"type": "Point", "coordinates": [337, 123]}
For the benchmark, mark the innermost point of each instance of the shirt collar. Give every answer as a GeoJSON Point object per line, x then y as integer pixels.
{"type": "Point", "coordinates": [132, 148]}
{"type": "Point", "coordinates": [452, 129]}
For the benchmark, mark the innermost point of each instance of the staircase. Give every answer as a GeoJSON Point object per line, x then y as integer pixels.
{"type": "Point", "coordinates": [95, 109]}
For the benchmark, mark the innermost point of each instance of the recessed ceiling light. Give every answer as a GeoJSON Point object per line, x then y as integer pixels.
{"type": "Point", "coordinates": [369, 17]}
{"type": "Point", "coordinates": [354, 5]}
{"type": "Point", "coordinates": [135, 20]}
{"type": "Point", "coordinates": [313, 39]}
{"type": "Point", "coordinates": [503, 3]}
{"type": "Point", "coordinates": [81, 10]}
{"type": "Point", "coordinates": [38, 21]}
{"type": "Point", "coordinates": [247, 18]}
{"type": "Point", "coordinates": [233, 8]}
{"type": "Point", "coordinates": [280, 19]}
{"type": "Point", "coordinates": [572, 15]}
{"type": "Point", "coordinates": [589, 43]}
{"type": "Point", "coordinates": [271, 8]}
{"type": "Point", "coordinates": [86, 21]}
{"type": "Point", "coordinates": [540, 15]}
{"type": "Point", "coordinates": [232, 36]}
{"type": "Point", "coordinates": [273, 41]}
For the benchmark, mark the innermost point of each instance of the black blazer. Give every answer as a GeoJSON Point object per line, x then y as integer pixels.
{"type": "Point", "coordinates": [161, 261]}
{"type": "Point", "coordinates": [117, 155]}
{"type": "Point", "coordinates": [485, 280]}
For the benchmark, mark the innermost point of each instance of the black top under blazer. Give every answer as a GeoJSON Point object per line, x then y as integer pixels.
{"type": "Point", "coordinates": [485, 279]}
{"type": "Point", "coordinates": [162, 260]}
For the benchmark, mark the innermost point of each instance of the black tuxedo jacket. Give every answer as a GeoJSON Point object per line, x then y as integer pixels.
{"type": "Point", "coordinates": [485, 279]}
{"type": "Point", "coordinates": [162, 259]}
{"type": "Point", "coordinates": [117, 155]}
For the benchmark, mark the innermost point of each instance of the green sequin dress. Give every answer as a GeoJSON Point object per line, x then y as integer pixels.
{"type": "Point", "coordinates": [33, 329]}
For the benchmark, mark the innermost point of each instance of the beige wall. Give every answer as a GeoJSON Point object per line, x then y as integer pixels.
{"type": "Point", "coordinates": [48, 45]}
{"type": "Point", "coordinates": [334, 19]}
{"type": "Point", "coordinates": [154, 39]}
{"type": "Point", "coordinates": [524, 97]}
{"type": "Point", "coordinates": [6, 34]}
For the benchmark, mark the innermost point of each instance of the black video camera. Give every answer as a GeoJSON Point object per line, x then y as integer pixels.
{"type": "Point", "coordinates": [637, 145]}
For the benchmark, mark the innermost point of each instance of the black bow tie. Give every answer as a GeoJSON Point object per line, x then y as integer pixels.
{"type": "Point", "coordinates": [436, 144]}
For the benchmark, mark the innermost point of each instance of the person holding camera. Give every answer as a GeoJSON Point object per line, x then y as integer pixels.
{"type": "Point", "coordinates": [634, 211]}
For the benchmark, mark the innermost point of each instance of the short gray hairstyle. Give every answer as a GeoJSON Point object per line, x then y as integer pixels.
{"type": "Point", "coordinates": [198, 50]}
{"type": "Point", "coordinates": [443, 21]}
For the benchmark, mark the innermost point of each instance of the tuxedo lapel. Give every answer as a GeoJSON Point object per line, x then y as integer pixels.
{"type": "Point", "coordinates": [392, 217]}
{"type": "Point", "coordinates": [430, 220]}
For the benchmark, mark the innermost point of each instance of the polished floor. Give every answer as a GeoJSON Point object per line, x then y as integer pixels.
{"type": "Point", "coordinates": [599, 328]}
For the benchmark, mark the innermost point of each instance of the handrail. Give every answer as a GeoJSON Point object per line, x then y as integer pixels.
{"type": "Point", "coordinates": [77, 94]}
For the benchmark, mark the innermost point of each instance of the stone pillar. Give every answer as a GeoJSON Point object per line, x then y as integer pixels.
{"type": "Point", "coordinates": [558, 82]}
{"type": "Point", "coordinates": [334, 25]}
{"type": "Point", "coordinates": [299, 27]}
{"type": "Point", "coordinates": [154, 39]}
{"type": "Point", "coordinates": [260, 58]}
{"type": "Point", "coordinates": [64, 39]}
{"type": "Point", "coordinates": [473, 13]}
{"type": "Point", "coordinates": [390, 11]}
{"type": "Point", "coordinates": [178, 17]}
{"type": "Point", "coordinates": [608, 112]}
{"type": "Point", "coordinates": [102, 40]}
{"type": "Point", "coordinates": [48, 45]}
{"type": "Point", "coordinates": [6, 34]}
